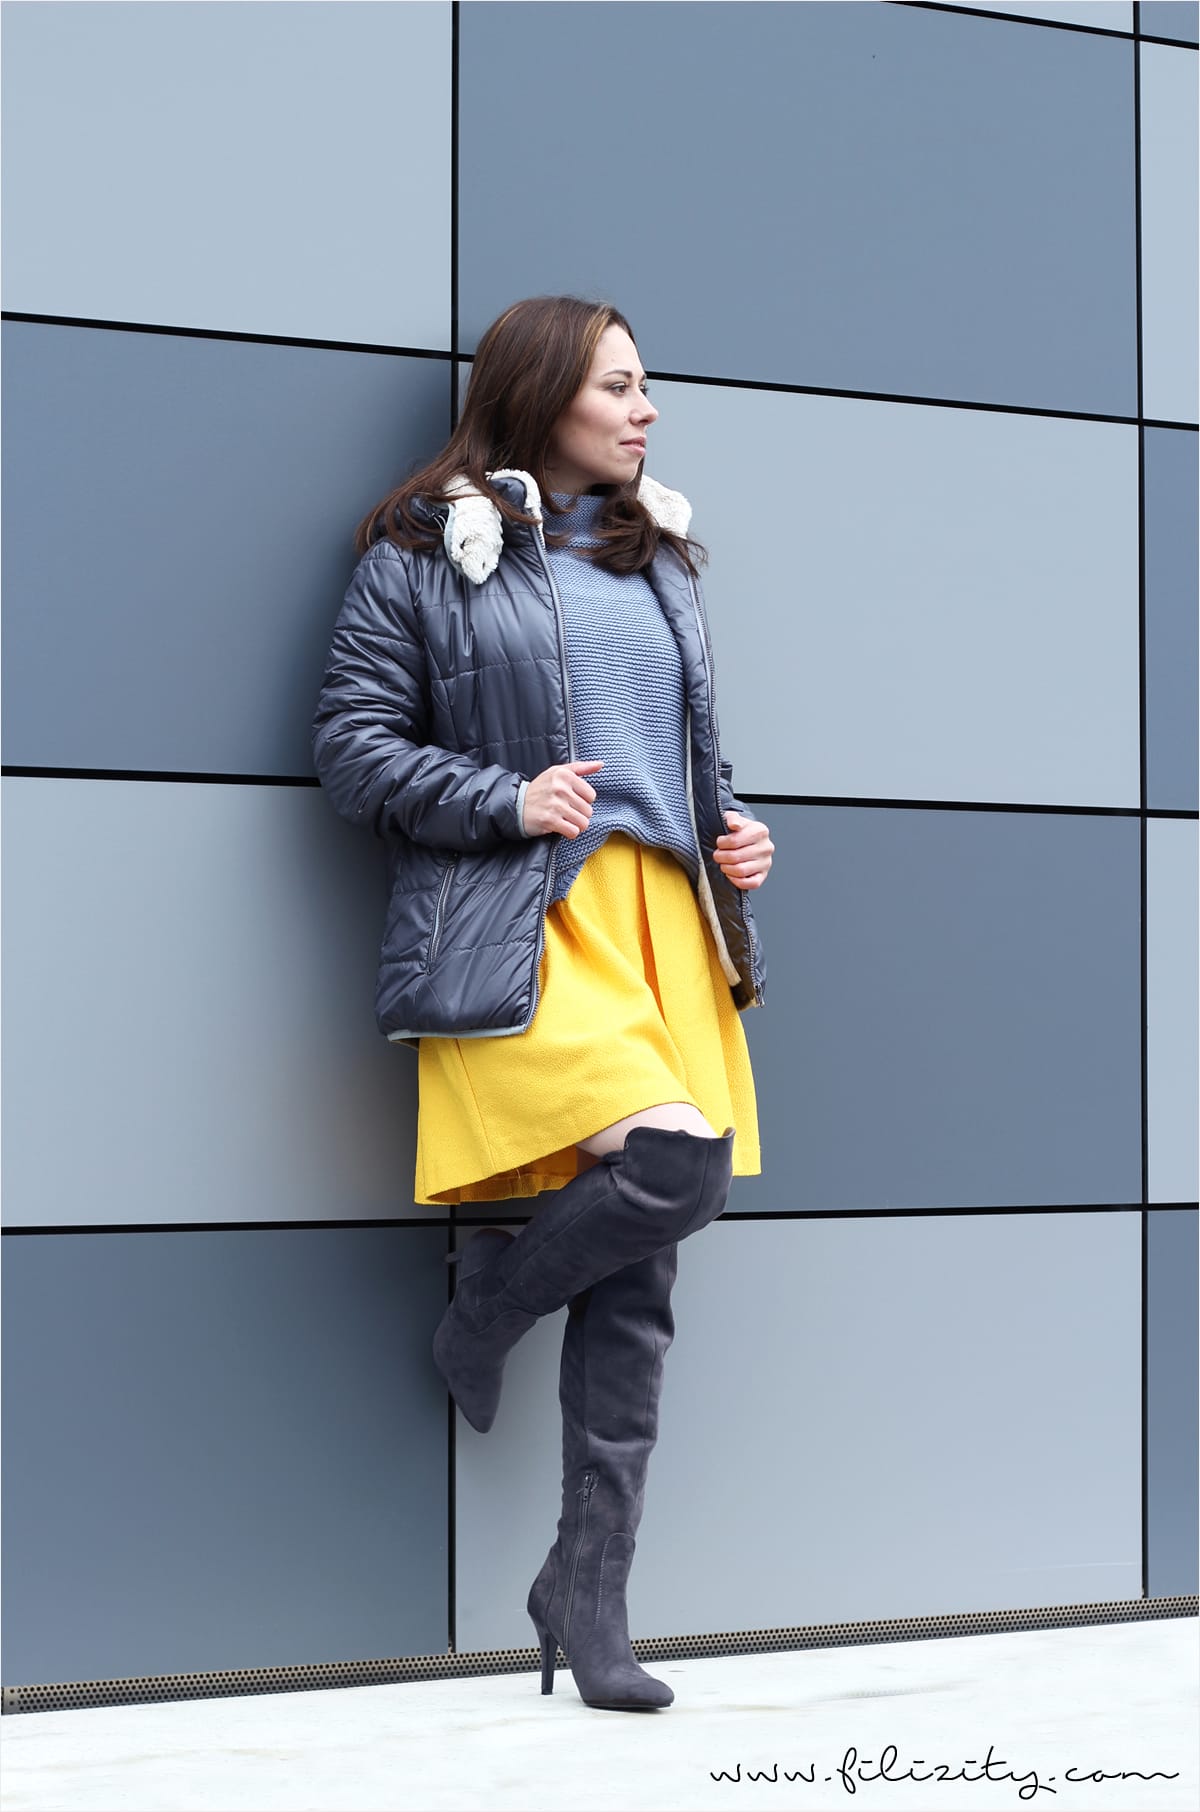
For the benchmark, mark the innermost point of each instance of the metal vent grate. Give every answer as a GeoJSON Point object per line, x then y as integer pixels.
{"type": "Point", "coordinates": [232, 1682]}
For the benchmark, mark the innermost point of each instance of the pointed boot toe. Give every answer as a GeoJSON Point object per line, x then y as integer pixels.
{"type": "Point", "coordinates": [470, 1361]}
{"type": "Point", "coordinates": [565, 1607]}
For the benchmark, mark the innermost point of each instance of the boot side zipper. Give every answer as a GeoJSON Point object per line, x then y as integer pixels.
{"type": "Point", "coordinates": [585, 1493]}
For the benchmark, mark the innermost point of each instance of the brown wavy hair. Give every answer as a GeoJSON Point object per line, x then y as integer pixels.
{"type": "Point", "coordinates": [531, 362]}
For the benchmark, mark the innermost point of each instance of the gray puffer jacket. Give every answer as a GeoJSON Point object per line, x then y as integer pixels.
{"type": "Point", "coordinates": [446, 687]}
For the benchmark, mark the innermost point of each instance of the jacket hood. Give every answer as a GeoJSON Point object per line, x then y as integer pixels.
{"type": "Point", "coordinates": [474, 531]}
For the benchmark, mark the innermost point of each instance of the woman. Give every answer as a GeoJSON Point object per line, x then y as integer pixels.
{"type": "Point", "coordinates": [519, 699]}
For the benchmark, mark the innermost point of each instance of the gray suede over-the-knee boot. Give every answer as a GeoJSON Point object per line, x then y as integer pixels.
{"type": "Point", "coordinates": [610, 1382]}
{"type": "Point", "coordinates": [659, 1188]}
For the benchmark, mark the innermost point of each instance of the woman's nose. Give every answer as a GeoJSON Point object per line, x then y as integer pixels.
{"type": "Point", "coordinates": [645, 411]}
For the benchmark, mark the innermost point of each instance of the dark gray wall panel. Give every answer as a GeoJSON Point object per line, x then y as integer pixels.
{"type": "Point", "coordinates": [178, 524]}
{"type": "Point", "coordinates": [864, 1418]}
{"type": "Point", "coordinates": [240, 167]}
{"type": "Point", "coordinates": [189, 976]}
{"type": "Point", "coordinates": [1172, 990]}
{"type": "Point", "coordinates": [1172, 1407]}
{"type": "Point", "coordinates": [1172, 642]}
{"type": "Point", "coordinates": [1179, 19]}
{"type": "Point", "coordinates": [953, 1011]}
{"type": "Point", "coordinates": [929, 604]}
{"type": "Point", "coordinates": [1170, 204]}
{"type": "Point", "coordinates": [221, 1450]}
{"type": "Point", "coordinates": [866, 197]}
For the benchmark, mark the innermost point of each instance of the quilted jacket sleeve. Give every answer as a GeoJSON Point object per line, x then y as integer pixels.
{"type": "Point", "coordinates": [370, 734]}
{"type": "Point", "coordinates": [728, 802]}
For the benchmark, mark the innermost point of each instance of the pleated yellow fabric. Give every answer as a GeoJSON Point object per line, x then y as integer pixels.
{"type": "Point", "coordinates": [633, 1011]}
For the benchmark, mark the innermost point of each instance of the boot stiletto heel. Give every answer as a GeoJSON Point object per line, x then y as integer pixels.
{"type": "Point", "coordinates": [549, 1654]}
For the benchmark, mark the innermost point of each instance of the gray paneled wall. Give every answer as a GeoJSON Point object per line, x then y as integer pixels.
{"type": "Point", "coordinates": [247, 1465]}
{"type": "Point", "coordinates": [839, 242]}
{"type": "Point", "coordinates": [191, 638]}
{"type": "Point", "coordinates": [846, 1446]}
{"type": "Point", "coordinates": [882, 261]}
{"type": "Point", "coordinates": [203, 1024]}
{"type": "Point", "coordinates": [894, 938]}
{"type": "Point", "coordinates": [1172, 639]}
{"type": "Point", "coordinates": [1169, 204]}
{"type": "Point", "coordinates": [951, 597]}
{"type": "Point", "coordinates": [254, 167]}
{"type": "Point", "coordinates": [1172, 1332]}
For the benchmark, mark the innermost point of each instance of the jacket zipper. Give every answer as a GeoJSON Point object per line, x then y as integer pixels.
{"type": "Point", "coordinates": [708, 680]}
{"type": "Point", "coordinates": [560, 630]}
{"type": "Point", "coordinates": [541, 940]}
{"type": "Point", "coordinates": [691, 792]}
{"type": "Point", "coordinates": [585, 1493]}
{"type": "Point", "coordinates": [435, 935]}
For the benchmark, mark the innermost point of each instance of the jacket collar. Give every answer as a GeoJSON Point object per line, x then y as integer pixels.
{"type": "Point", "coordinates": [474, 531]}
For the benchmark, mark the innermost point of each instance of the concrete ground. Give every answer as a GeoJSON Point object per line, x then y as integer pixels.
{"type": "Point", "coordinates": [1043, 1711]}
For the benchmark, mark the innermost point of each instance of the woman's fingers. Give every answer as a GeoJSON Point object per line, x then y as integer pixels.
{"type": "Point", "coordinates": [742, 832]}
{"type": "Point", "coordinates": [573, 821]}
{"type": "Point", "coordinates": [746, 881]}
{"type": "Point", "coordinates": [744, 853]}
{"type": "Point", "coordinates": [560, 799]}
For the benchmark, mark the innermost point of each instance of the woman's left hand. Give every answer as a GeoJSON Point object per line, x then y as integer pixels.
{"type": "Point", "coordinates": [744, 854]}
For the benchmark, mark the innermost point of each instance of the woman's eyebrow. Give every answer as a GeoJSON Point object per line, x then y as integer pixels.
{"type": "Point", "coordinates": [615, 372]}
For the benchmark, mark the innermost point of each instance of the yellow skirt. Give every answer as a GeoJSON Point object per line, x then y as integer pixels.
{"type": "Point", "coordinates": [633, 1011]}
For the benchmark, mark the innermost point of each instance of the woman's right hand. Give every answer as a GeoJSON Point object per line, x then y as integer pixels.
{"type": "Point", "coordinates": [560, 799]}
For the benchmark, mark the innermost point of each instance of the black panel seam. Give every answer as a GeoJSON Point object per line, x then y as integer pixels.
{"type": "Point", "coordinates": [19, 771]}
{"type": "Point", "coordinates": [702, 379]}
{"type": "Point", "coordinates": [221, 333]}
{"type": "Point", "coordinates": [980, 12]}
{"type": "Point", "coordinates": [454, 1220]}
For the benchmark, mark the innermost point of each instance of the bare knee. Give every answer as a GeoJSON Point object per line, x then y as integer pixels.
{"type": "Point", "coordinates": [670, 1116]}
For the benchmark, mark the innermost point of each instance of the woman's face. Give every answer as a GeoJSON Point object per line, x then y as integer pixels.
{"type": "Point", "coordinates": [600, 437]}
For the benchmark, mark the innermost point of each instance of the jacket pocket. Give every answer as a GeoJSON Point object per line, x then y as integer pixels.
{"type": "Point", "coordinates": [439, 914]}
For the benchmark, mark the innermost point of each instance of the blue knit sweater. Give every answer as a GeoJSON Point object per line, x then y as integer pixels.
{"type": "Point", "coordinates": [627, 702]}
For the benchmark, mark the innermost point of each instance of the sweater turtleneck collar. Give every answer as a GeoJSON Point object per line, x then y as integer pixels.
{"type": "Point", "coordinates": [580, 520]}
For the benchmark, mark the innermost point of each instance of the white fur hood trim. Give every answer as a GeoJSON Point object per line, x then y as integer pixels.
{"type": "Point", "coordinates": [474, 532]}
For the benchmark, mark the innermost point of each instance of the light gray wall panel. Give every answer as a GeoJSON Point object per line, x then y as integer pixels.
{"type": "Point", "coordinates": [1172, 989]}
{"type": "Point", "coordinates": [1171, 1403]}
{"type": "Point", "coordinates": [1103, 15]}
{"type": "Point", "coordinates": [953, 1011]}
{"type": "Point", "coordinates": [1171, 19]}
{"type": "Point", "coordinates": [189, 1033]}
{"type": "Point", "coordinates": [914, 602]}
{"type": "Point", "coordinates": [860, 1419]}
{"type": "Point", "coordinates": [875, 198]}
{"type": "Point", "coordinates": [507, 1494]}
{"type": "Point", "coordinates": [222, 1450]}
{"type": "Point", "coordinates": [179, 521]}
{"type": "Point", "coordinates": [1170, 203]}
{"type": "Point", "coordinates": [1172, 642]}
{"type": "Point", "coordinates": [255, 167]}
